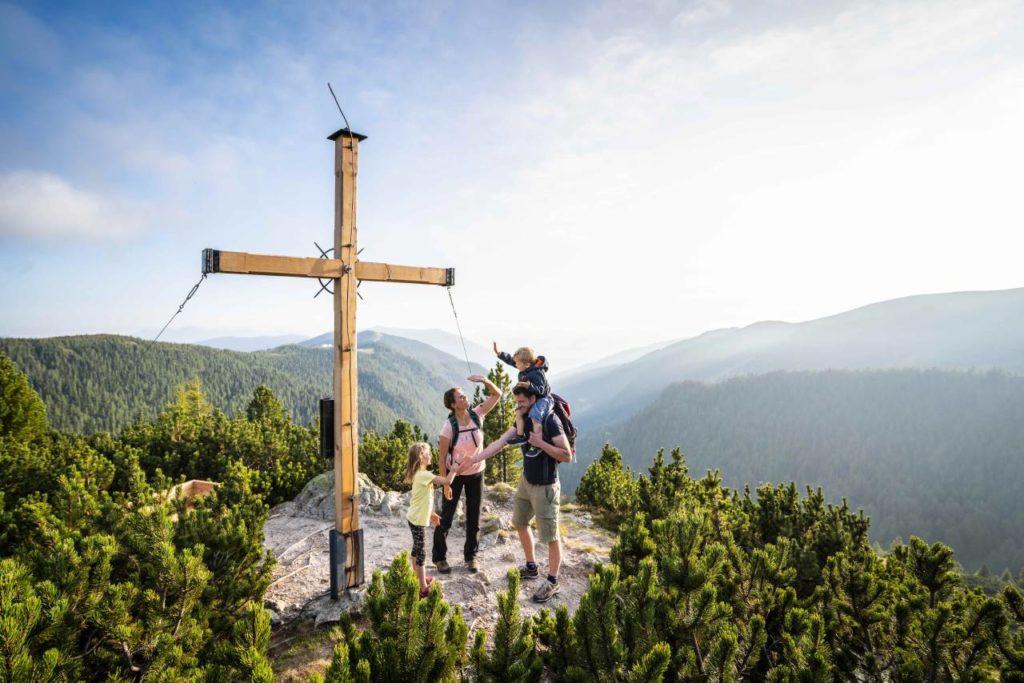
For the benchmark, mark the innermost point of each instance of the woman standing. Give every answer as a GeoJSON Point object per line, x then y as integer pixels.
{"type": "Point", "coordinates": [462, 437]}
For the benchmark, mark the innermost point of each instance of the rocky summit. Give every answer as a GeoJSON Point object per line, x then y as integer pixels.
{"type": "Point", "coordinates": [297, 532]}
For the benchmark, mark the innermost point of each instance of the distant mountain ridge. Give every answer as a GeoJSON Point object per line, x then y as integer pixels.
{"type": "Point", "coordinates": [103, 382]}
{"type": "Point", "coordinates": [251, 343]}
{"type": "Point", "coordinates": [443, 341]}
{"type": "Point", "coordinates": [964, 331]}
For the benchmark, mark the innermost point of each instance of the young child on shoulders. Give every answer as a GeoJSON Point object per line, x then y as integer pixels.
{"type": "Point", "coordinates": [420, 514]}
{"type": "Point", "coordinates": [533, 376]}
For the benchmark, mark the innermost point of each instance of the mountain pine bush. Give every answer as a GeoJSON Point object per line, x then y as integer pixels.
{"type": "Point", "coordinates": [408, 639]}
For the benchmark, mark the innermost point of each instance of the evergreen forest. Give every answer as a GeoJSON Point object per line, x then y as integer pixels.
{"type": "Point", "coordinates": [936, 454]}
{"type": "Point", "coordinates": [104, 575]}
{"type": "Point", "coordinates": [105, 382]}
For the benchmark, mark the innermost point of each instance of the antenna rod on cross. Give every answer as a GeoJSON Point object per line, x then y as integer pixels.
{"type": "Point", "coordinates": [346, 539]}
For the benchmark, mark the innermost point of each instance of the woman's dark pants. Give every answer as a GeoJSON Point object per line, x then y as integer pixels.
{"type": "Point", "coordinates": [474, 486]}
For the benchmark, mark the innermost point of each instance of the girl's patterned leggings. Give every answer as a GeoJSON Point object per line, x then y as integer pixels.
{"type": "Point", "coordinates": [419, 554]}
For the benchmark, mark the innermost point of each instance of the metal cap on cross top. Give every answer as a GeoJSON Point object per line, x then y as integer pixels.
{"type": "Point", "coordinates": [347, 132]}
{"type": "Point", "coordinates": [346, 539]}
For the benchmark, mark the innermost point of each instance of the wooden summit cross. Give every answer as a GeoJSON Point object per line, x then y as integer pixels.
{"type": "Point", "coordinates": [346, 539]}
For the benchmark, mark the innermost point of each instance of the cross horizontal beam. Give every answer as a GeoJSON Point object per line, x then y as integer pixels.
{"type": "Point", "coordinates": [216, 261]}
{"type": "Point", "coordinates": [385, 272]}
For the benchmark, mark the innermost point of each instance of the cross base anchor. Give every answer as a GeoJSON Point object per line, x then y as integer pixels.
{"type": "Point", "coordinates": [343, 577]}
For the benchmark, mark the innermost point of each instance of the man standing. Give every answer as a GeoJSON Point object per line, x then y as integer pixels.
{"type": "Point", "coordinates": [539, 491]}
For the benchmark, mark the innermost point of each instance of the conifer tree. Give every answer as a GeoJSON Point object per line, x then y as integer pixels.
{"type": "Point", "coordinates": [244, 657]}
{"type": "Point", "coordinates": [409, 638]}
{"type": "Point", "coordinates": [609, 486]}
{"type": "Point", "coordinates": [264, 406]}
{"type": "Point", "coordinates": [22, 413]}
{"type": "Point", "coordinates": [590, 646]}
{"type": "Point", "coordinates": [23, 652]}
{"type": "Point", "coordinates": [1009, 635]}
{"type": "Point", "coordinates": [383, 457]}
{"type": "Point", "coordinates": [514, 658]}
{"type": "Point", "coordinates": [506, 465]}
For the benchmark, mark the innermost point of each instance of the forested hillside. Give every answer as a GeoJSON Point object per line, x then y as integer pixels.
{"type": "Point", "coordinates": [104, 382]}
{"type": "Point", "coordinates": [936, 454]}
{"type": "Point", "coordinates": [955, 331]}
{"type": "Point", "coordinates": [105, 576]}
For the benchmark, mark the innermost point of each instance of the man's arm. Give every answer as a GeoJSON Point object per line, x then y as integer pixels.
{"type": "Point", "coordinates": [559, 450]}
{"type": "Point", "coordinates": [493, 449]}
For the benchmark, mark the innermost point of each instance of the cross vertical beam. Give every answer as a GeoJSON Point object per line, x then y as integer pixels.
{"type": "Point", "coordinates": [346, 404]}
{"type": "Point", "coordinates": [346, 539]}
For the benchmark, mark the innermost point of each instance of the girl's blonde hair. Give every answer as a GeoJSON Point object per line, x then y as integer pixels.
{"type": "Point", "coordinates": [414, 465]}
{"type": "Point", "coordinates": [525, 354]}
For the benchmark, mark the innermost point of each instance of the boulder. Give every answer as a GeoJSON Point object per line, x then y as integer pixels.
{"type": "Point", "coordinates": [370, 495]}
{"type": "Point", "coordinates": [491, 523]}
{"type": "Point", "coordinates": [392, 503]}
{"type": "Point", "coordinates": [317, 497]}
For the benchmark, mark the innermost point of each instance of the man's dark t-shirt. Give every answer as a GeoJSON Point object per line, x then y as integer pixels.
{"type": "Point", "coordinates": [541, 469]}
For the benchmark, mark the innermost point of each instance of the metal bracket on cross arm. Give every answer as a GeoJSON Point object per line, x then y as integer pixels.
{"type": "Point", "coordinates": [211, 261]}
{"type": "Point", "coordinates": [449, 277]}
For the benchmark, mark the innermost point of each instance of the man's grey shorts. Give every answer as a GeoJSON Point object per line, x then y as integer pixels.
{"type": "Point", "coordinates": [540, 501]}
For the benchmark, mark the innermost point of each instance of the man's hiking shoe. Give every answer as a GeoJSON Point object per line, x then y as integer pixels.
{"type": "Point", "coordinates": [471, 566]}
{"type": "Point", "coordinates": [546, 591]}
{"type": "Point", "coordinates": [443, 567]}
{"type": "Point", "coordinates": [516, 441]}
{"type": "Point", "coordinates": [527, 573]}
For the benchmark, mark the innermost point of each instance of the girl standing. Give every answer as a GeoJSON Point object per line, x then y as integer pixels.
{"type": "Point", "coordinates": [420, 513]}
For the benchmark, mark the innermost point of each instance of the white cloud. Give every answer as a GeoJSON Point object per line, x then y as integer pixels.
{"type": "Point", "coordinates": [702, 12]}
{"type": "Point", "coordinates": [43, 205]}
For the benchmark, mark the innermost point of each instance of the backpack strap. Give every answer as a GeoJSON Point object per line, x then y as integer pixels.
{"type": "Point", "coordinates": [454, 423]}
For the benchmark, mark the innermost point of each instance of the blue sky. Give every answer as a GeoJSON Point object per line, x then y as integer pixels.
{"type": "Point", "coordinates": [664, 168]}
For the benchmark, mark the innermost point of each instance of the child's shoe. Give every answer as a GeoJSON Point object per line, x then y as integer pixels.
{"type": "Point", "coordinates": [517, 440]}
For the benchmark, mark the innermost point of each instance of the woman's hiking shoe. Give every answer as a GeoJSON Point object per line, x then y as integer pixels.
{"type": "Point", "coordinates": [443, 567]}
{"type": "Point", "coordinates": [527, 573]}
{"type": "Point", "coordinates": [546, 591]}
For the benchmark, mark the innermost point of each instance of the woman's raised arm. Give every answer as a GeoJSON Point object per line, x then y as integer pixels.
{"type": "Point", "coordinates": [493, 394]}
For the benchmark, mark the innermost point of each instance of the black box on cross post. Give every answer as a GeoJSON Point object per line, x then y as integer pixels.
{"type": "Point", "coordinates": [327, 427]}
